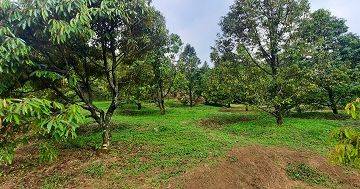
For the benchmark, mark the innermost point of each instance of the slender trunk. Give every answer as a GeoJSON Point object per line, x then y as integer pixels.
{"type": "Point", "coordinates": [106, 136]}
{"type": "Point", "coordinates": [247, 107]}
{"type": "Point", "coordinates": [298, 110]}
{"type": "Point", "coordinates": [162, 107]}
{"type": "Point", "coordinates": [161, 97]}
{"type": "Point", "coordinates": [333, 104]}
{"type": "Point", "coordinates": [279, 116]}
{"type": "Point", "coordinates": [334, 109]}
{"type": "Point", "coordinates": [139, 106]}
{"type": "Point", "coordinates": [114, 85]}
{"type": "Point", "coordinates": [279, 119]}
{"type": "Point", "coordinates": [191, 97]}
{"type": "Point", "coordinates": [106, 125]}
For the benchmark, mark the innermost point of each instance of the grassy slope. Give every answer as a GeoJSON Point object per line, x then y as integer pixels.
{"type": "Point", "coordinates": [172, 143]}
{"type": "Point", "coordinates": [149, 149]}
{"type": "Point", "coordinates": [176, 142]}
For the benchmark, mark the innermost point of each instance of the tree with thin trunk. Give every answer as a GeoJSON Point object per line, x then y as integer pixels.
{"type": "Point", "coordinates": [265, 31]}
{"type": "Point", "coordinates": [163, 61]}
{"type": "Point", "coordinates": [74, 44]}
{"type": "Point", "coordinates": [189, 67]}
{"type": "Point", "coordinates": [327, 68]}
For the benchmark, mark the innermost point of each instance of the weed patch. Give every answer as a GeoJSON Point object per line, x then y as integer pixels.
{"type": "Point", "coordinates": [96, 170]}
{"type": "Point", "coordinates": [54, 182]}
{"type": "Point", "coordinates": [305, 173]}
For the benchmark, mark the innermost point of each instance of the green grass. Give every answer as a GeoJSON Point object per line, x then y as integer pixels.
{"type": "Point", "coordinates": [53, 182]}
{"type": "Point", "coordinates": [95, 170]}
{"type": "Point", "coordinates": [309, 175]}
{"type": "Point", "coordinates": [295, 133]}
{"type": "Point", "coordinates": [177, 141]}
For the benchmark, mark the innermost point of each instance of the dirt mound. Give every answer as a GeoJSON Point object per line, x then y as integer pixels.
{"type": "Point", "coordinates": [260, 167]}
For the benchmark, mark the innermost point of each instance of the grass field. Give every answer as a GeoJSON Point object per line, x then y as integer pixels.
{"type": "Point", "coordinates": [148, 150]}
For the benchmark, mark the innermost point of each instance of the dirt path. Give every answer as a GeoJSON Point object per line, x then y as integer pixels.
{"type": "Point", "coordinates": [260, 167]}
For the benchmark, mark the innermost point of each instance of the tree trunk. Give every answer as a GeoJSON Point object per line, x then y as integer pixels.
{"type": "Point", "coordinates": [279, 116]}
{"type": "Point", "coordinates": [106, 136]}
{"type": "Point", "coordinates": [162, 107]}
{"type": "Point", "coordinates": [106, 123]}
{"type": "Point", "coordinates": [161, 97]}
{"type": "Point", "coordinates": [139, 106]}
{"type": "Point", "coordinates": [247, 107]}
{"type": "Point", "coordinates": [191, 98]}
{"type": "Point", "coordinates": [334, 110]}
{"type": "Point", "coordinates": [279, 119]}
{"type": "Point", "coordinates": [333, 104]}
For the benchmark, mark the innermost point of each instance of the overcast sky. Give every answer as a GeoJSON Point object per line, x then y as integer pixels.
{"type": "Point", "coordinates": [196, 21]}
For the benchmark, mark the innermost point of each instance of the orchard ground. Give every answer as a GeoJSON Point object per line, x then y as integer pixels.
{"type": "Point", "coordinates": [199, 147]}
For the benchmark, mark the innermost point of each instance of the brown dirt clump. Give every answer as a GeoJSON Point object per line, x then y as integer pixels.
{"type": "Point", "coordinates": [260, 167]}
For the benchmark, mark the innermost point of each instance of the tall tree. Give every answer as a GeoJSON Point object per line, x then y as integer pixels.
{"type": "Point", "coordinates": [72, 44]}
{"type": "Point", "coordinates": [189, 67]}
{"type": "Point", "coordinates": [350, 52]}
{"type": "Point", "coordinates": [163, 61]}
{"type": "Point", "coordinates": [327, 68]}
{"type": "Point", "coordinates": [265, 31]}
{"type": "Point", "coordinates": [223, 84]}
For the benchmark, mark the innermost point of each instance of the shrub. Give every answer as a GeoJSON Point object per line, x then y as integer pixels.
{"type": "Point", "coordinates": [353, 109]}
{"type": "Point", "coordinates": [347, 149]}
{"type": "Point", "coordinates": [48, 153]}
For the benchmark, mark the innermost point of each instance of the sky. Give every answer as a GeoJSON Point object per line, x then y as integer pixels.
{"type": "Point", "coordinates": [196, 21]}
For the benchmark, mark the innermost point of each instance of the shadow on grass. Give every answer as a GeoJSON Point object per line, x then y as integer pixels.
{"type": "Point", "coordinates": [319, 115]}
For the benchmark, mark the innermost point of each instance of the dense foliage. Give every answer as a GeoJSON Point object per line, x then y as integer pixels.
{"type": "Point", "coordinates": [22, 118]}
{"type": "Point", "coordinates": [70, 47]}
{"type": "Point", "coordinates": [286, 58]}
{"type": "Point", "coordinates": [265, 34]}
{"type": "Point", "coordinates": [326, 68]}
{"type": "Point", "coordinates": [347, 150]}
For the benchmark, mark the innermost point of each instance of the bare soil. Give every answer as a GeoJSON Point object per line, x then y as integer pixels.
{"type": "Point", "coordinates": [68, 169]}
{"type": "Point", "coordinates": [248, 167]}
{"type": "Point", "coordinates": [261, 167]}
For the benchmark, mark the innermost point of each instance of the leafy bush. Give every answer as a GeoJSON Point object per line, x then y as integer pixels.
{"type": "Point", "coordinates": [353, 109]}
{"type": "Point", "coordinates": [21, 118]}
{"type": "Point", "coordinates": [347, 150]}
{"type": "Point", "coordinates": [6, 154]}
{"type": "Point", "coordinates": [48, 153]}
